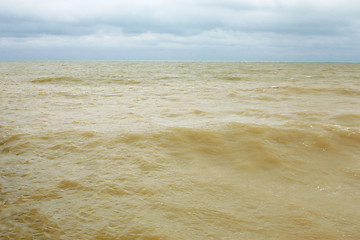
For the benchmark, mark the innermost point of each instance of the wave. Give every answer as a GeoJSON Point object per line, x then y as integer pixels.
{"type": "Point", "coordinates": [347, 119]}
{"type": "Point", "coordinates": [254, 151]}
{"type": "Point", "coordinates": [71, 179]}
{"type": "Point", "coordinates": [310, 90]}
{"type": "Point", "coordinates": [234, 145]}
{"type": "Point", "coordinates": [84, 81]}
{"type": "Point", "coordinates": [57, 80]}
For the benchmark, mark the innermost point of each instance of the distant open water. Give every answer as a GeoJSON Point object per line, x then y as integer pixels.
{"type": "Point", "coordinates": [167, 150]}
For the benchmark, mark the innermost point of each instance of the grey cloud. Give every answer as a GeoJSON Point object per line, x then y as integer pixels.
{"type": "Point", "coordinates": [179, 26]}
{"type": "Point", "coordinates": [186, 19]}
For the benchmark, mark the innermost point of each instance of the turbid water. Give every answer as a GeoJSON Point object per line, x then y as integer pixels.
{"type": "Point", "coordinates": [166, 150]}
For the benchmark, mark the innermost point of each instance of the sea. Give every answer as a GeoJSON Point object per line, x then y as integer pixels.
{"type": "Point", "coordinates": [179, 150]}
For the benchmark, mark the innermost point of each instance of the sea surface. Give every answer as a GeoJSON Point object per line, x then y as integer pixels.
{"type": "Point", "coordinates": [179, 150]}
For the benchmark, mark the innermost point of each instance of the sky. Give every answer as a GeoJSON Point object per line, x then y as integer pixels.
{"type": "Point", "coordinates": [199, 30]}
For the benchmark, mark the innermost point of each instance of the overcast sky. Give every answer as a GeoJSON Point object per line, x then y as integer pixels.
{"type": "Point", "coordinates": [234, 30]}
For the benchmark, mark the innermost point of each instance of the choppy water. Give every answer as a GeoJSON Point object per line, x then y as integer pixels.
{"type": "Point", "coordinates": [162, 150]}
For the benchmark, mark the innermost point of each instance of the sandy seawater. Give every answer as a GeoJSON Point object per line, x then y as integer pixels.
{"type": "Point", "coordinates": [179, 150]}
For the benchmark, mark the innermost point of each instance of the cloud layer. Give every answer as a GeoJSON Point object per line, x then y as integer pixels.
{"type": "Point", "coordinates": [279, 30]}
